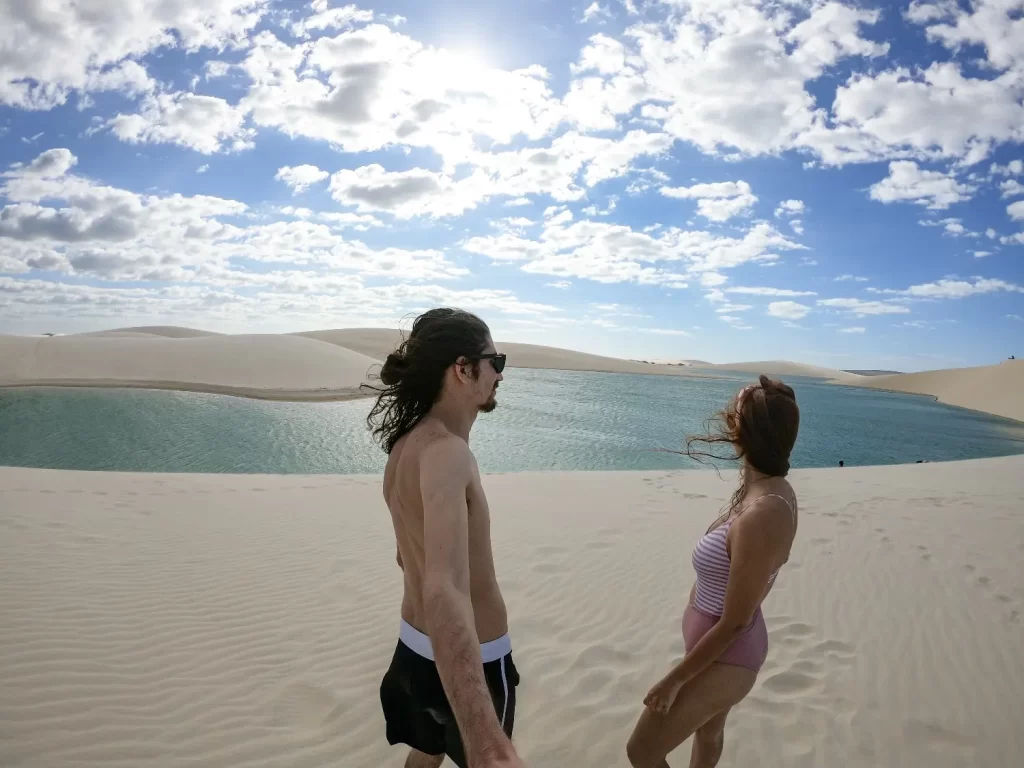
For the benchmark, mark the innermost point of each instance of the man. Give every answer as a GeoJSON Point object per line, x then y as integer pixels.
{"type": "Point", "coordinates": [450, 689]}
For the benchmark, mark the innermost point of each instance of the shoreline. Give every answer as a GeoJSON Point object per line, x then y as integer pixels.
{"type": "Point", "coordinates": [933, 398]}
{"type": "Point", "coordinates": [251, 393]}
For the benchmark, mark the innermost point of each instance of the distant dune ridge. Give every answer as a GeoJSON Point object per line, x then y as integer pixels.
{"type": "Point", "coordinates": [378, 342]}
{"type": "Point", "coordinates": [781, 368]}
{"type": "Point", "coordinates": [331, 364]}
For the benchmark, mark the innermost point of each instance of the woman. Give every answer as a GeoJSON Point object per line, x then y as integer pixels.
{"type": "Point", "coordinates": [736, 563]}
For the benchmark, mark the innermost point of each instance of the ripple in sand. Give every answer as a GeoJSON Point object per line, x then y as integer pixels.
{"type": "Point", "coordinates": [790, 683]}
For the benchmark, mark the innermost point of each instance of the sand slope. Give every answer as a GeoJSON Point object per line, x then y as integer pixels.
{"type": "Point", "coordinates": [167, 331]}
{"type": "Point", "coordinates": [230, 621]}
{"type": "Point", "coordinates": [379, 342]}
{"type": "Point", "coordinates": [997, 389]}
{"type": "Point", "coordinates": [253, 365]}
{"type": "Point", "coordinates": [782, 368]}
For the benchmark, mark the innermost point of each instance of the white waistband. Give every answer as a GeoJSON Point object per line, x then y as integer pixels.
{"type": "Point", "coordinates": [419, 644]}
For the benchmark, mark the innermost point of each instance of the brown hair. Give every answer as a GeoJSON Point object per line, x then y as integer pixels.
{"type": "Point", "coordinates": [761, 424]}
{"type": "Point", "coordinates": [413, 375]}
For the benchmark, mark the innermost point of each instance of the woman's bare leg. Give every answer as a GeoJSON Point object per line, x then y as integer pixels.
{"type": "Point", "coordinates": [418, 759]}
{"type": "Point", "coordinates": [708, 742]}
{"type": "Point", "coordinates": [714, 691]}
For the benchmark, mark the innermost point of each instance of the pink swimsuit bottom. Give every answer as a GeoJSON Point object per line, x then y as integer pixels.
{"type": "Point", "coordinates": [749, 650]}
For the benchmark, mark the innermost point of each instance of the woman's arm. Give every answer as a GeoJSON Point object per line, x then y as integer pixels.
{"type": "Point", "coordinates": [757, 544]}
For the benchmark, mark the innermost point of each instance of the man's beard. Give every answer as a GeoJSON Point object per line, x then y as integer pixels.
{"type": "Point", "coordinates": [491, 403]}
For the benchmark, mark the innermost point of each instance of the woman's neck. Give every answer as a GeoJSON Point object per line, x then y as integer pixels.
{"type": "Point", "coordinates": [751, 475]}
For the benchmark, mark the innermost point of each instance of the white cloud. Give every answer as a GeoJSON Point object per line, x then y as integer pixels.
{"type": "Point", "coordinates": [324, 18]}
{"type": "Point", "coordinates": [908, 183]}
{"type": "Point", "coordinates": [718, 201]}
{"type": "Point", "coordinates": [981, 254]}
{"type": "Point", "coordinates": [924, 11]}
{"type": "Point", "coordinates": [562, 285]}
{"type": "Point", "coordinates": [790, 208]}
{"type": "Point", "coordinates": [1018, 318]}
{"type": "Point", "coordinates": [994, 24]}
{"type": "Point", "coordinates": [849, 278]}
{"type": "Point", "coordinates": [203, 168]}
{"type": "Point", "coordinates": [797, 226]}
{"type": "Point", "coordinates": [202, 123]}
{"type": "Point", "coordinates": [48, 165]}
{"type": "Point", "coordinates": [861, 308]}
{"type": "Point", "coordinates": [951, 227]}
{"type": "Point", "coordinates": [948, 288]}
{"type": "Point", "coordinates": [596, 11]}
{"type": "Point", "coordinates": [613, 253]}
{"type": "Point", "coordinates": [853, 329]}
{"type": "Point", "coordinates": [1012, 188]}
{"type": "Point", "coordinates": [370, 88]}
{"type": "Point", "coordinates": [790, 310]}
{"type": "Point", "coordinates": [1016, 210]}
{"type": "Point", "coordinates": [300, 177]}
{"type": "Point", "coordinates": [762, 291]}
{"type": "Point", "coordinates": [60, 222]}
{"type": "Point", "coordinates": [518, 202]}
{"type": "Point", "coordinates": [49, 51]}
{"type": "Point", "coordinates": [1012, 168]}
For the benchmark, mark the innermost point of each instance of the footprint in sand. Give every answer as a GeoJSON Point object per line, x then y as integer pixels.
{"type": "Point", "coordinates": [984, 581]}
{"type": "Point", "coordinates": [925, 734]}
{"type": "Point", "coordinates": [834, 649]}
{"type": "Point", "coordinates": [791, 683]}
{"type": "Point", "coordinates": [694, 496]}
{"type": "Point", "coordinates": [970, 568]}
{"type": "Point", "coordinates": [599, 545]}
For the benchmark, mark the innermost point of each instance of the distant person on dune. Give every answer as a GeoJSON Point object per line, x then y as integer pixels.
{"type": "Point", "coordinates": [451, 686]}
{"type": "Point", "coordinates": [736, 563]}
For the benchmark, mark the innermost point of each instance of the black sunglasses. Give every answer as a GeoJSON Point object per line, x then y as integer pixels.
{"type": "Point", "coordinates": [497, 360]}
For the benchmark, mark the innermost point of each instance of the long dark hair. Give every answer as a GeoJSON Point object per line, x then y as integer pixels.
{"type": "Point", "coordinates": [413, 374]}
{"type": "Point", "coordinates": [761, 424]}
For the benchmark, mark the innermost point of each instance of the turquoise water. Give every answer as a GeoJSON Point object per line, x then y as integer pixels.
{"type": "Point", "coordinates": [546, 420]}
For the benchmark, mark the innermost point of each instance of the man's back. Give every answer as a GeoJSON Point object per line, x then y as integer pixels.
{"type": "Point", "coordinates": [430, 442]}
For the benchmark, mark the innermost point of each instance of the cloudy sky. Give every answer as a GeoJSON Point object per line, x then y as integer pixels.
{"type": "Point", "coordinates": [835, 182]}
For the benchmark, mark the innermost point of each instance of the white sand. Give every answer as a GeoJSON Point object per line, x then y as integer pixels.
{"type": "Point", "coordinates": [269, 366]}
{"type": "Point", "coordinates": [378, 342]}
{"type": "Point", "coordinates": [997, 389]}
{"type": "Point", "coordinates": [212, 620]}
{"type": "Point", "coordinates": [782, 368]}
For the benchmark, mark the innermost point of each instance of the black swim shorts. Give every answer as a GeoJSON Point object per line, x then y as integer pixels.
{"type": "Point", "coordinates": [418, 713]}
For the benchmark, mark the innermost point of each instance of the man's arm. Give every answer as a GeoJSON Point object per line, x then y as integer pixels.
{"type": "Point", "coordinates": [446, 470]}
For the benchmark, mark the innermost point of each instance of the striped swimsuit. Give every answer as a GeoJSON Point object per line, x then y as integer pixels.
{"type": "Point", "coordinates": [711, 562]}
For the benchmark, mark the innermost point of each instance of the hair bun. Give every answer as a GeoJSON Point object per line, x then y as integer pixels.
{"type": "Point", "coordinates": [394, 369]}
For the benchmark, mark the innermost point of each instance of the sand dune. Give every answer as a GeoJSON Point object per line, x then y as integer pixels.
{"type": "Point", "coordinates": [167, 331]}
{"type": "Point", "coordinates": [995, 389]}
{"type": "Point", "coordinates": [782, 368]}
{"type": "Point", "coordinates": [270, 366]}
{"type": "Point", "coordinates": [230, 621]}
{"type": "Point", "coordinates": [378, 342]}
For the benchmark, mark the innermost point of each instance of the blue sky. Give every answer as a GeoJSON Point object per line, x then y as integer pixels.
{"type": "Point", "coordinates": [836, 183]}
